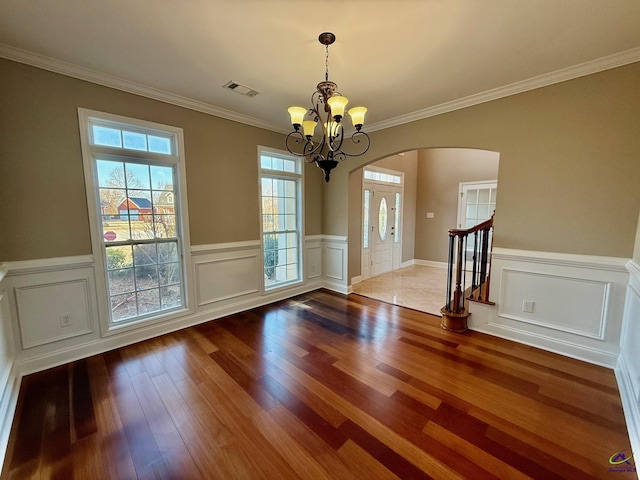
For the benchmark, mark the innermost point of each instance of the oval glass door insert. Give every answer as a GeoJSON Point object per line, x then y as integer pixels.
{"type": "Point", "coordinates": [382, 220]}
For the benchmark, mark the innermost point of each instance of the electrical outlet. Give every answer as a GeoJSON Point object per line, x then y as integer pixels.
{"type": "Point", "coordinates": [431, 215]}
{"type": "Point", "coordinates": [527, 306]}
{"type": "Point", "coordinates": [65, 320]}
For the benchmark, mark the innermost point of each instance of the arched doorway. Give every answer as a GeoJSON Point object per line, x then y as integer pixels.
{"type": "Point", "coordinates": [429, 208]}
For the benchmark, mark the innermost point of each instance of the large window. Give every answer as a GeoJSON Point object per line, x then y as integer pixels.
{"type": "Point", "coordinates": [133, 172]}
{"type": "Point", "coordinates": [281, 218]}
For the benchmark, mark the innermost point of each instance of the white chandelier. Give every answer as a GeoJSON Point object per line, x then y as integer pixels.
{"type": "Point", "coordinates": [326, 151]}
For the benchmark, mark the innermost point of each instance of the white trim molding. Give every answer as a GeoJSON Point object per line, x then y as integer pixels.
{"type": "Point", "coordinates": [82, 73]}
{"type": "Point", "coordinates": [587, 68]}
{"type": "Point", "coordinates": [577, 303]}
{"type": "Point", "coordinates": [427, 263]}
{"type": "Point", "coordinates": [43, 265]}
{"type": "Point", "coordinates": [221, 247]}
{"type": "Point", "coordinates": [9, 377]}
{"type": "Point", "coordinates": [628, 366]}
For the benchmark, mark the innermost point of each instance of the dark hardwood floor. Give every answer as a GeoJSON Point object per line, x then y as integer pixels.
{"type": "Point", "coordinates": [322, 386]}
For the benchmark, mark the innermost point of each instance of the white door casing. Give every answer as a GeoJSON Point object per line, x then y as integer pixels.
{"type": "Point", "coordinates": [382, 192]}
{"type": "Point", "coordinates": [476, 202]}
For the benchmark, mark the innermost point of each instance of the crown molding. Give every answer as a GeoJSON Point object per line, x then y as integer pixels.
{"type": "Point", "coordinates": [47, 63]}
{"type": "Point", "coordinates": [593, 66]}
{"type": "Point", "coordinates": [106, 80]}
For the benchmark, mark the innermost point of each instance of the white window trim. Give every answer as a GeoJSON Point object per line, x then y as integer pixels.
{"type": "Point", "coordinates": [372, 168]}
{"type": "Point", "coordinates": [88, 151]}
{"type": "Point", "coordinates": [302, 255]}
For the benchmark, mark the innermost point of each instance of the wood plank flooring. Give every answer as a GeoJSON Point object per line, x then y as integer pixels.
{"type": "Point", "coordinates": [321, 386]}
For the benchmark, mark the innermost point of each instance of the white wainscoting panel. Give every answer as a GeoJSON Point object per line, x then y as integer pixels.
{"type": "Point", "coordinates": [335, 263]}
{"type": "Point", "coordinates": [313, 255]}
{"type": "Point", "coordinates": [334, 266]}
{"type": "Point", "coordinates": [227, 277]}
{"type": "Point", "coordinates": [573, 305]}
{"type": "Point", "coordinates": [577, 300]}
{"type": "Point", "coordinates": [628, 367]}
{"type": "Point", "coordinates": [43, 309]}
{"type": "Point", "coordinates": [52, 303]}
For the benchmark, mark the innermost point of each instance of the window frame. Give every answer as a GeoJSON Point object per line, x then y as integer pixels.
{"type": "Point", "coordinates": [299, 178]}
{"type": "Point", "coordinates": [90, 154]}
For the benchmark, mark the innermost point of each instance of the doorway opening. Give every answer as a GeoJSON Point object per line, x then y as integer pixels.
{"type": "Point", "coordinates": [429, 208]}
{"type": "Point", "coordinates": [382, 192]}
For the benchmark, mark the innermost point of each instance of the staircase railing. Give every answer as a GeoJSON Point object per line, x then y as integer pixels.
{"type": "Point", "coordinates": [473, 244]}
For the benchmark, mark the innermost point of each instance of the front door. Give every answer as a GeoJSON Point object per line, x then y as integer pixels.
{"type": "Point", "coordinates": [383, 220]}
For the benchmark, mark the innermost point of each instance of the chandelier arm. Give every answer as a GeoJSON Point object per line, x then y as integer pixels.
{"type": "Point", "coordinates": [317, 99]}
{"type": "Point", "coordinates": [308, 148]}
{"type": "Point", "coordinates": [336, 147]}
{"type": "Point", "coordinates": [356, 138]}
{"type": "Point", "coordinates": [317, 149]}
{"type": "Point", "coordinates": [340, 156]}
{"type": "Point", "coordinates": [314, 112]}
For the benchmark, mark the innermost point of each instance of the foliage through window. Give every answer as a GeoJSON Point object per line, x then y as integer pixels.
{"type": "Point", "coordinates": [280, 210]}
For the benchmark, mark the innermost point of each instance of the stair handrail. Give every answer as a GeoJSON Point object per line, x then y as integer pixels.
{"type": "Point", "coordinates": [481, 270]}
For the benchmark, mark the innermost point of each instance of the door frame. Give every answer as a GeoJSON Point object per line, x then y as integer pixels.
{"type": "Point", "coordinates": [462, 206]}
{"type": "Point", "coordinates": [370, 184]}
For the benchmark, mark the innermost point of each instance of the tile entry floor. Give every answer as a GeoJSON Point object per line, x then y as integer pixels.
{"type": "Point", "coordinates": [418, 287]}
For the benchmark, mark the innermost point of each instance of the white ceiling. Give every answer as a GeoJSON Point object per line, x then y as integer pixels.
{"type": "Point", "coordinates": [400, 58]}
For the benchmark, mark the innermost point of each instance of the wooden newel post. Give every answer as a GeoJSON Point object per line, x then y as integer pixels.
{"type": "Point", "coordinates": [454, 315]}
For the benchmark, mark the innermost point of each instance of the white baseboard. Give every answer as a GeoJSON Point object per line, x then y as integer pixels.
{"type": "Point", "coordinates": [630, 404]}
{"type": "Point", "coordinates": [337, 286]}
{"type": "Point", "coordinates": [544, 342]}
{"type": "Point", "coordinates": [480, 321]}
{"type": "Point", "coordinates": [8, 404]}
{"type": "Point", "coordinates": [430, 263]}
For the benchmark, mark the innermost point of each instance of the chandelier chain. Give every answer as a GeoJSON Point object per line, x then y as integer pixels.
{"type": "Point", "coordinates": [326, 63]}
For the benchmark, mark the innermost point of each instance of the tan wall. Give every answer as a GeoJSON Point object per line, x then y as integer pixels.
{"type": "Point", "coordinates": [569, 163]}
{"type": "Point", "coordinates": [43, 209]}
{"type": "Point", "coordinates": [408, 164]}
{"type": "Point", "coordinates": [440, 171]}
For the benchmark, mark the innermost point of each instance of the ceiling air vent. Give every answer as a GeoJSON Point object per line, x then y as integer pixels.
{"type": "Point", "coordinates": [241, 89]}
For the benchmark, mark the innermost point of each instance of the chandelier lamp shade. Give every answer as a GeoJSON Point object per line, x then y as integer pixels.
{"type": "Point", "coordinates": [324, 146]}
